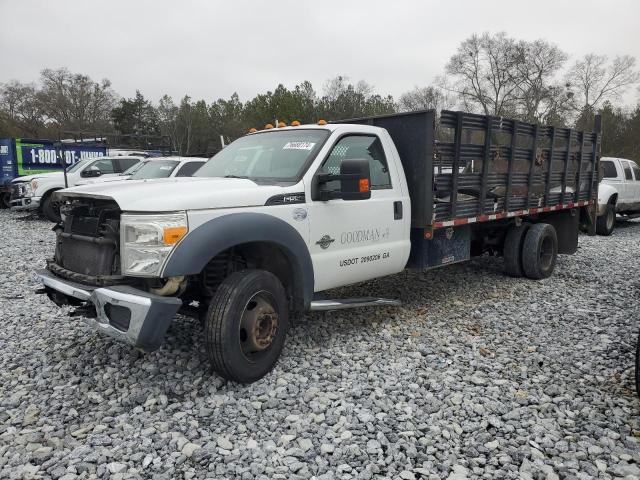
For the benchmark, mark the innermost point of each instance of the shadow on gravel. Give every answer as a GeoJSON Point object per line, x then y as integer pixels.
{"type": "Point", "coordinates": [31, 217]}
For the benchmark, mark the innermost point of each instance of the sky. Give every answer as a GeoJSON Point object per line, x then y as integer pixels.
{"type": "Point", "coordinates": [211, 49]}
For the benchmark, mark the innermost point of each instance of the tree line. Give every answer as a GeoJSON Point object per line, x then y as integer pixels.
{"type": "Point", "coordinates": [494, 74]}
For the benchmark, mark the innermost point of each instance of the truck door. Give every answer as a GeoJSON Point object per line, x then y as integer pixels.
{"type": "Point", "coordinates": [627, 195]}
{"type": "Point", "coordinates": [356, 240]}
{"type": "Point", "coordinates": [636, 185]}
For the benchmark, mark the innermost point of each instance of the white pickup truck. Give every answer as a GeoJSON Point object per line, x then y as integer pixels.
{"type": "Point", "coordinates": [281, 215]}
{"type": "Point", "coordinates": [619, 192]}
{"type": "Point", "coordinates": [34, 192]}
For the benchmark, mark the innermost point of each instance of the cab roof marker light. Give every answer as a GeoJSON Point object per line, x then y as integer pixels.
{"type": "Point", "coordinates": [253, 130]}
{"type": "Point", "coordinates": [322, 122]}
{"type": "Point", "coordinates": [282, 125]}
{"type": "Point", "coordinates": [295, 123]}
{"type": "Point", "coordinates": [268, 126]}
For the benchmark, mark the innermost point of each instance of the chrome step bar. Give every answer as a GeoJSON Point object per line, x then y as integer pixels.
{"type": "Point", "coordinates": [341, 304]}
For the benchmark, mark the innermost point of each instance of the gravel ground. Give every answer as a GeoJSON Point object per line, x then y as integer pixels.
{"type": "Point", "coordinates": [476, 376]}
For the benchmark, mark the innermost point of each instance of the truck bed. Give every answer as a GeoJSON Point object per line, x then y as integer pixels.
{"type": "Point", "coordinates": [465, 168]}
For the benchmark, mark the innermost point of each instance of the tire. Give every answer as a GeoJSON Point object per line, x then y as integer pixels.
{"type": "Point", "coordinates": [51, 209]}
{"type": "Point", "coordinates": [637, 372]}
{"type": "Point", "coordinates": [539, 251]}
{"type": "Point", "coordinates": [246, 325]}
{"type": "Point", "coordinates": [4, 200]}
{"type": "Point", "coordinates": [512, 251]}
{"type": "Point", "coordinates": [606, 223]}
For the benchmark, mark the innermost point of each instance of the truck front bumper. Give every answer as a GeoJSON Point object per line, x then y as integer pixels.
{"type": "Point", "coordinates": [24, 203]}
{"type": "Point", "coordinates": [125, 313]}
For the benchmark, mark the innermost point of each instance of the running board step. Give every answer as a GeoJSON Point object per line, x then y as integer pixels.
{"type": "Point", "coordinates": [342, 303]}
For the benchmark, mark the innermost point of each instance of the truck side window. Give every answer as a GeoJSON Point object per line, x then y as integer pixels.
{"type": "Point", "coordinates": [126, 163]}
{"type": "Point", "coordinates": [105, 166]}
{"type": "Point", "coordinates": [359, 146]}
{"type": "Point", "coordinates": [636, 171]}
{"type": "Point", "coordinates": [189, 169]}
{"type": "Point", "coordinates": [627, 171]}
{"type": "Point", "coordinates": [609, 169]}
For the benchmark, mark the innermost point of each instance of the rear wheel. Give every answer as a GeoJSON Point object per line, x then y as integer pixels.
{"type": "Point", "coordinates": [512, 251]}
{"type": "Point", "coordinates": [246, 325]}
{"type": "Point", "coordinates": [540, 251]}
{"type": "Point", "coordinates": [51, 209]}
{"type": "Point", "coordinates": [638, 366]}
{"type": "Point", "coordinates": [606, 223]}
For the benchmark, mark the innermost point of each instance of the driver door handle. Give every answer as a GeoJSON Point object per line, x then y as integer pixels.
{"type": "Point", "coordinates": [397, 210]}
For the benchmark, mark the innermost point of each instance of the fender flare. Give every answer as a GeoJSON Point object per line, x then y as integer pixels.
{"type": "Point", "coordinates": [199, 246]}
{"type": "Point", "coordinates": [605, 192]}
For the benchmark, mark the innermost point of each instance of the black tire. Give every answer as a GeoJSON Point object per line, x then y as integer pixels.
{"type": "Point", "coordinates": [51, 209]}
{"type": "Point", "coordinates": [4, 200]}
{"type": "Point", "coordinates": [606, 223]}
{"type": "Point", "coordinates": [539, 251]}
{"type": "Point", "coordinates": [246, 325]}
{"type": "Point", "coordinates": [637, 372]}
{"type": "Point", "coordinates": [512, 251]}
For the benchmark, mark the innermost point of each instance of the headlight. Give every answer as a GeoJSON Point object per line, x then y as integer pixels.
{"type": "Point", "coordinates": [147, 240]}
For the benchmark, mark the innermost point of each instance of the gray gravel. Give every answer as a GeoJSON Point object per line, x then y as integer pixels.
{"type": "Point", "coordinates": [476, 376]}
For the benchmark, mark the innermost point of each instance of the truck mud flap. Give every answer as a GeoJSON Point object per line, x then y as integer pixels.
{"type": "Point", "coordinates": [448, 245]}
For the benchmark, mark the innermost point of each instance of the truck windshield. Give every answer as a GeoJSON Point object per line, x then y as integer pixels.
{"type": "Point", "coordinates": [79, 165]}
{"type": "Point", "coordinates": [279, 155]}
{"type": "Point", "coordinates": [154, 169]}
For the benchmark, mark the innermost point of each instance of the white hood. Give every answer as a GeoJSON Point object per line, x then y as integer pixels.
{"type": "Point", "coordinates": [48, 176]}
{"type": "Point", "coordinates": [184, 193]}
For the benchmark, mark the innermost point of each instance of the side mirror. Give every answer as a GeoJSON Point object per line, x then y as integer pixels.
{"type": "Point", "coordinates": [90, 173]}
{"type": "Point", "coordinates": [356, 179]}
{"type": "Point", "coordinates": [355, 182]}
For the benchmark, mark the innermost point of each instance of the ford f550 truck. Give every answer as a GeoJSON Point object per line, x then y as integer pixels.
{"type": "Point", "coordinates": [283, 214]}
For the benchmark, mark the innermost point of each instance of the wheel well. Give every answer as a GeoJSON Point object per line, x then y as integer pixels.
{"type": "Point", "coordinates": [613, 199]}
{"type": "Point", "coordinates": [47, 194]}
{"type": "Point", "coordinates": [259, 255]}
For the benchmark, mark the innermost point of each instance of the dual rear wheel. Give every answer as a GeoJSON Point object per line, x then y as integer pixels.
{"type": "Point", "coordinates": [531, 250]}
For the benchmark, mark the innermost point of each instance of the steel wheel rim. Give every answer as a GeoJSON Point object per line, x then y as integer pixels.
{"type": "Point", "coordinates": [258, 325]}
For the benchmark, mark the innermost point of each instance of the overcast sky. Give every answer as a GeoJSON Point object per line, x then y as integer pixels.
{"type": "Point", "coordinates": [210, 49]}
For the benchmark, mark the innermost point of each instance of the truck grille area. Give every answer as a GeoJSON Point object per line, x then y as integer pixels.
{"type": "Point", "coordinates": [88, 241]}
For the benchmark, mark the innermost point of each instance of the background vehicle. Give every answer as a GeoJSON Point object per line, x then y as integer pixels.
{"type": "Point", "coordinates": [155, 167]}
{"type": "Point", "coordinates": [34, 192]}
{"type": "Point", "coordinates": [21, 156]}
{"type": "Point", "coordinates": [619, 192]}
{"type": "Point", "coordinates": [281, 215]}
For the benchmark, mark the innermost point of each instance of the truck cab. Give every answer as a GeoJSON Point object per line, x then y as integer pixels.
{"type": "Point", "coordinates": [34, 192]}
{"type": "Point", "coordinates": [619, 192]}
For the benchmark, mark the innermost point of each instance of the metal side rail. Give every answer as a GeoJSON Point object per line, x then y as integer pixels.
{"type": "Point", "coordinates": [343, 303]}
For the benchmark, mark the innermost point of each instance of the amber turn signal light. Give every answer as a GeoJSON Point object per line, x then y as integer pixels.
{"type": "Point", "coordinates": [172, 235]}
{"type": "Point", "coordinates": [363, 185]}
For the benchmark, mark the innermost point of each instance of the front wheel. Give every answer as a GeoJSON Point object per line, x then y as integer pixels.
{"type": "Point", "coordinates": [246, 325]}
{"type": "Point", "coordinates": [606, 223]}
{"type": "Point", "coordinates": [637, 372]}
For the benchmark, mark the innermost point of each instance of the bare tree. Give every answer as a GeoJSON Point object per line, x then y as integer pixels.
{"type": "Point", "coordinates": [539, 95]}
{"type": "Point", "coordinates": [425, 98]}
{"type": "Point", "coordinates": [484, 72]}
{"type": "Point", "coordinates": [75, 101]}
{"type": "Point", "coordinates": [19, 104]}
{"type": "Point", "coordinates": [592, 81]}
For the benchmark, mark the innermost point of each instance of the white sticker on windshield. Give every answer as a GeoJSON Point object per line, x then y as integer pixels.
{"type": "Point", "coordinates": [298, 145]}
{"type": "Point", "coordinates": [166, 167]}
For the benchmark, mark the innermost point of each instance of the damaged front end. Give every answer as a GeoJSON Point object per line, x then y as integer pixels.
{"type": "Point", "coordinates": [85, 272]}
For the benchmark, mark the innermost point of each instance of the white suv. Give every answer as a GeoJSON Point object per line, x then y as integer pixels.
{"type": "Point", "coordinates": [619, 192]}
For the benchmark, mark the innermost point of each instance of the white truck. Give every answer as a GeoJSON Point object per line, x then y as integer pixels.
{"type": "Point", "coordinates": [619, 192]}
{"type": "Point", "coordinates": [34, 192]}
{"type": "Point", "coordinates": [153, 167]}
{"type": "Point", "coordinates": [281, 215]}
